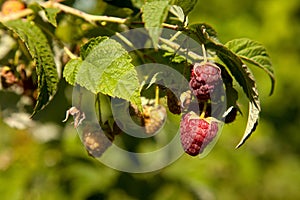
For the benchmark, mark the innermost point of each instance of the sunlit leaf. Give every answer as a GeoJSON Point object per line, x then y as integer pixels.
{"type": "Point", "coordinates": [71, 70]}
{"type": "Point", "coordinates": [105, 69]}
{"type": "Point", "coordinates": [254, 53]}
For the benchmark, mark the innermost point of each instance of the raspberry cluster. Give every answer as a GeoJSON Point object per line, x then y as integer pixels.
{"type": "Point", "coordinates": [196, 133]}
{"type": "Point", "coordinates": [205, 79]}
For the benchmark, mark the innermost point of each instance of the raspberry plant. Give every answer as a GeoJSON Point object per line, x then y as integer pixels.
{"type": "Point", "coordinates": [98, 57]}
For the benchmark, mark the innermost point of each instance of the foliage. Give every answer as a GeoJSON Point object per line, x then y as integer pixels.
{"type": "Point", "coordinates": [105, 66]}
{"type": "Point", "coordinates": [232, 56]}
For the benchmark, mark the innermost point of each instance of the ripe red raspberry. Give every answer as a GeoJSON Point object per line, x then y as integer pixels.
{"type": "Point", "coordinates": [204, 80]}
{"type": "Point", "coordinates": [196, 133]}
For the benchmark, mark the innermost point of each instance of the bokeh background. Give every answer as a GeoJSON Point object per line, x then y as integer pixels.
{"type": "Point", "coordinates": [48, 161]}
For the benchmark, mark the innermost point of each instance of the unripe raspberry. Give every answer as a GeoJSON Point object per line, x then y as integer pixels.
{"type": "Point", "coordinates": [196, 133]}
{"type": "Point", "coordinates": [12, 6]}
{"type": "Point", "coordinates": [205, 79]}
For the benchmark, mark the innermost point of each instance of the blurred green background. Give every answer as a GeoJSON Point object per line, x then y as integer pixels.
{"type": "Point", "coordinates": [49, 162]}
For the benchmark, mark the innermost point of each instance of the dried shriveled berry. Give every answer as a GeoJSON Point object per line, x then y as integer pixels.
{"type": "Point", "coordinates": [8, 77]}
{"type": "Point", "coordinates": [153, 118]}
{"type": "Point", "coordinates": [173, 103]}
{"type": "Point", "coordinates": [95, 141]}
{"type": "Point", "coordinates": [196, 133]}
{"type": "Point", "coordinates": [205, 79]}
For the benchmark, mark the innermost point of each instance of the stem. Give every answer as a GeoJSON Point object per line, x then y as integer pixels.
{"type": "Point", "coordinates": [125, 40]}
{"type": "Point", "coordinates": [99, 108]}
{"type": "Point", "coordinates": [204, 53]}
{"type": "Point", "coordinates": [170, 26]}
{"type": "Point", "coordinates": [174, 45]}
{"type": "Point", "coordinates": [88, 17]}
{"type": "Point", "coordinates": [69, 53]}
{"type": "Point", "coordinates": [175, 36]}
{"type": "Point", "coordinates": [16, 15]}
{"type": "Point", "coordinates": [202, 116]}
{"type": "Point", "coordinates": [156, 95]}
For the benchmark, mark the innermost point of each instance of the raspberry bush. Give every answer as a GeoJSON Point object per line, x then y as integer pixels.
{"type": "Point", "coordinates": [101, 56]}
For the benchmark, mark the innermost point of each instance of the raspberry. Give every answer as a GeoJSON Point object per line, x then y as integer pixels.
{"type": "Point", "coordinates": [153, 118]}
{"type": "Point", "coordinates": [173, 103]}
{"type": "Point", "coordinates": [12, 6]}
{"type": "Point", "coordinates": [196, 133]}
{"type": "Point", "coordinates": [95, 141]}
{"type": "Point", "coordinates": [204, 80]}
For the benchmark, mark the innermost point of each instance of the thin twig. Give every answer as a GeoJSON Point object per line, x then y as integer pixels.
{"type": "Point", "coordinates": [69, 53]}
{"type": "Point", "coordinates": [16, 15]}
{"type": "Point", "coordinates": [174, 45]}
{"type": "Point", "coordinates": [170, 26]}
{"type": "Point", "coordinates": [88, 17]}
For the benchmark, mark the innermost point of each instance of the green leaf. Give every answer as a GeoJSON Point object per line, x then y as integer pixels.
{"type": "Point", "coordinates": [90, 45]}
{"type": "Point", "coordinates": [253, 53]}
{"type": "Point", "coordinates": [237, 69]}
{"type": "Point", "coordinates": [178, 12]}
{"type": "Point", "coordinates": [186, 5]}
{"type": "Point", "coordinates": [252, 123]}
{"type": "Point", "coordinates": [71, 70]}
{"type": "Point", "coordinates": [232, 97]}
{"type": "Point", "coordinates": [253, 115]}
{"type": "Point", "coordinates": [105, 69]}
{"type": "Point", "coordinates": [248, 81]}
{"type": "Point", "coordinates": [51, 14]}
{"type": "Point", "coordinates": [38, 47]}
{"type": "Point", "coordinates": [154, 14]}
{"type": "Point", "coordinates": [231, 93]}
